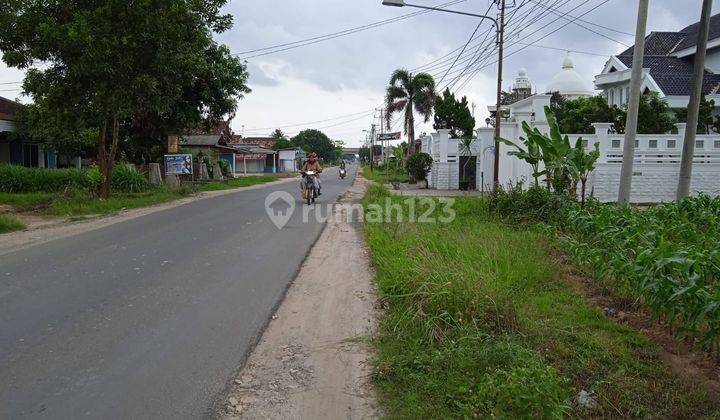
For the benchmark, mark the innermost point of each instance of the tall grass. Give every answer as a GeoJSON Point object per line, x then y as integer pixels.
{"type": "Point", "coordinates": [479, 324]}
{"type": "Point", "coordinates": [9, 224]}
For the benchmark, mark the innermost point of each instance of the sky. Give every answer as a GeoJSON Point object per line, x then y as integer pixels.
{"type": "Point", "coordinates": [337, 85]}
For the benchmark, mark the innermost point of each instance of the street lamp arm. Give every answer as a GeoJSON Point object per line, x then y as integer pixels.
{"type": "Point", "coordinates": [457, 12]}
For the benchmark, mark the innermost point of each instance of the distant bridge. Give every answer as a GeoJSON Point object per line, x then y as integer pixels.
{"type": "Point", "coordinates": [351, 150]}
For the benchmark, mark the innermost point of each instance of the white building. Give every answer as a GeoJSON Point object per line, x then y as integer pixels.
{"type": "Point", "coordinates": [667, 67]}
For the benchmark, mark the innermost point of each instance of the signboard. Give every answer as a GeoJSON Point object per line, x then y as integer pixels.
{"type": "Point", "coordinates": [388, 136]}
{"type": "Point", "coordinates": [178, 165]}
{"type": "Point", "coordinates": [252, 156]}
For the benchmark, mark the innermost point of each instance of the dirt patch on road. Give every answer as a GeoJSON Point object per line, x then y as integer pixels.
{"type": "Point", "coordinates": [313, 360]}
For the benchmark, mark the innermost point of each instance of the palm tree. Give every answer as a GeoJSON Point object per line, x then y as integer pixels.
{"type": "Point", "coordinates": [405, 92]}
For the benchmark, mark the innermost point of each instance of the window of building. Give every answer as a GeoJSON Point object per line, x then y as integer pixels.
{"type": "Point", "coordinates": [627, 94]}
{"type": "Point", "coordinates": [611, 97]}
{"type": "Point", "coordinates": [637, 143]}
{"type": "Point", "coordinates": [620, 96]}
{"type": "Point", "coordinates": [699, 144]}
{"type": "Point", "coordinates": [652, 144]}
{"type": "Point", "coordinates": [616, 144]}
{"type": "Point", "coordinates": [671, 144]}
{"type": "Point", "coordinates": [717, 144]}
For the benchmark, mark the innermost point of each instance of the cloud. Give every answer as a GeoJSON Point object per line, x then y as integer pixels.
{"type": "Point", "coordinates": [348, 74]}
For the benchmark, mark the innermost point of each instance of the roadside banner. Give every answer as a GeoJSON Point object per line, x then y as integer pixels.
{"type": "Point", "coordinates": [389, 136]}
{"type": "Point", "coordinates": [180, 164]}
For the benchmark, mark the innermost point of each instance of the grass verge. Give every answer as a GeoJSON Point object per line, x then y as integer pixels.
{"type": "Point", "coordinates": [480, 324]}
{"type": "Point", "coordinates": [382, 176]}
{"type": "Point", "coordinates": [9, 224]}
{"type": "Point", "coordinates": [78, 203]}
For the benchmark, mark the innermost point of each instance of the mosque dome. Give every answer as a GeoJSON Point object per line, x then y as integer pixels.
{"type": "Point", "coordinates": [568, 82]}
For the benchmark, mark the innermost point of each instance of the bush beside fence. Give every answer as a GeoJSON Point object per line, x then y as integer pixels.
{"type": "Point", "coordinates": [18, 179]}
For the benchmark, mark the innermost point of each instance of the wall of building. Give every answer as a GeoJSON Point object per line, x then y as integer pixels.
{"type": "Point", "coordinates": [656, 166]}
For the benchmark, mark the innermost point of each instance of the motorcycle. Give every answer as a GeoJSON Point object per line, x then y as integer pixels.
{"type": "Point", "coordinates": [308, 191]}
{"type": "Point", "coordinates": [343, 173]}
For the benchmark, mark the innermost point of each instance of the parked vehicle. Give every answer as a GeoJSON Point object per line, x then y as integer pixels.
{"type": "Point", "coordinates": [309, 186]}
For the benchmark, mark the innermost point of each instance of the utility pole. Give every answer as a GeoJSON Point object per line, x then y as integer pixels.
{"type": "Point", "coordinates": [372, 147]}
{"type": "Point", "coordinates": [688, 152]}
{"type": "Point", "coordinates": [626, 172]}
{"type": "Point", "coordinates": [498, 111]}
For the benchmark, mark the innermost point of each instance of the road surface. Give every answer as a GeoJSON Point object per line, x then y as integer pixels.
{"type": "Point", "coordinates": [147, 318]}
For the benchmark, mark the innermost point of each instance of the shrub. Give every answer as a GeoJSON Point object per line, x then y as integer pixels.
{"type": "Point", "coordinates": [126, 179]}
{"type": "Point", "coordinates": [224, 167]}
{"type": "Point", "coordinates": [418, 165]}
{"type": "Point", "coordinates": [18, 179]}
{"type": "Point", "coordinates": [518, 206]}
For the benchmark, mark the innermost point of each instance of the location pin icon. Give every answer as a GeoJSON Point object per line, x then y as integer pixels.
{"type": "Point", "coordinates": [280, 206]}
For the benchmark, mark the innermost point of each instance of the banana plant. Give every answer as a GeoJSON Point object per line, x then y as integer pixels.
{"type": "Point", "coordinates": [581, 164]}
{"type": "Point", "coordinates": [531, 154]}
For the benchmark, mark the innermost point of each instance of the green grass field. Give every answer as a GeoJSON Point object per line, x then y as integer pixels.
{"type": "Point", "coordinates": [9, 224]}
{"type": "Point", "coordinates": [383, 176]}
{"type": "Point", "coordinates": [480, 324]}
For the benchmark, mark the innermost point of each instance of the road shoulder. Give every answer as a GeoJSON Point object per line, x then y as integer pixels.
{"type": "Point", "coordinates": [312, 361]}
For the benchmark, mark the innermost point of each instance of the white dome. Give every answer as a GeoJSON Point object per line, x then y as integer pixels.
{"type": "Point", "coordinates": [568, 81]}
{"type": "Point", "coordinates": [522, 72]}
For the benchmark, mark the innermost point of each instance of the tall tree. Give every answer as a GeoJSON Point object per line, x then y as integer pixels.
{"type": "Point", "coordinates": [454, 115]}
{"type": "Point", "coordinates": [316, 141]}
{"type": "Point", "coordinates": [114, 61]}
{"type": "Point", "coordinates": [407, 93]}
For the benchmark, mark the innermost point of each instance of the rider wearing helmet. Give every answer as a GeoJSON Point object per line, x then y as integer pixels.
{"type": "Point", "coordinates": [312, 164]}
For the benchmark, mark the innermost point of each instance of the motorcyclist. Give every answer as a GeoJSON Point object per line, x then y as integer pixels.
{"type": "Point", "coordinates": [312, 164]}
{"type": "Point", "coordinates": [342, 164]}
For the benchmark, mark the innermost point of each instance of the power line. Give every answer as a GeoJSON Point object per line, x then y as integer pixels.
{"type": "Point", "coordinates": [314, 40]}
{"type": "Point", "coordinates": [539, 39]}
{"type": "Point", "coordinates": [482, 57]}
{"type": "Point", "coordinates": [364, 113]}
{"type": "Point", "coordinates": [466, 44]}
{"type": "Point", "coordinates": [587, 21]}
{"type": "Point", "coordinates": [574, 21]}
{"type": "Point", "coordinates": [537, 18]}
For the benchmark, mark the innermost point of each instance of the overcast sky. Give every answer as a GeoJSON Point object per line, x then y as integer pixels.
{"type": "Point", "coordinates": [340, 81]}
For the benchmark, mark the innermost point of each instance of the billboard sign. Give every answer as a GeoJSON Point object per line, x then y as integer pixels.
{"type": "Point", "coordinates": [389, 136]}
{"type": "Point", "coordinates": [178, 164]}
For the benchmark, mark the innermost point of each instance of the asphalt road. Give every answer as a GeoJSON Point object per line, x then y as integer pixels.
{"type": "Point", "coordinates": [151, 317]}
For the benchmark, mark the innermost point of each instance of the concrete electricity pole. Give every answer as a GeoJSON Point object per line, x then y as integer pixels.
{"type": "Point", "coordinates": [498, 111]}
{"type": "Point", "coordinates": [626, 172]}
{"type": "Point", "coordinates": [372, 147]}
{"type": "Point", "coordinates": [688, 152]}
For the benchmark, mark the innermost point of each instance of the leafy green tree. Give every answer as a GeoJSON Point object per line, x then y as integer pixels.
{"type": "Point", "coordinates": [407, 93]}
{"type": "Point", "coordinates": [577, 115]}
{"type": "Point", "coordinates": [105, 63]}
{"type": "Point", "coordinates": [365, 152]}
{"type": "Point", "coordinates": [654, 115]}
{"type": "Point", "coordinates": [454, 115]}
{"type": "Point", "coordinates": [315, 141]}
{"type": "Point", "coordinates": [706, 120]}
{"type": "Point", "coordinates": [69, 136]}
{"type": "Point", "coordinates": [278, 134]}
